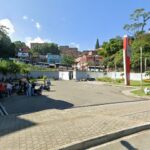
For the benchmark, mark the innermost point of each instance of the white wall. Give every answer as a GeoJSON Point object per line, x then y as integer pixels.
{"type": "Point", "coordinates": [49, 74]}
{"type": "Point", "coordinates": [77, 75]}
{"type": "Point", "coordinates": [35, 74]}
{"type": "Point", "coordinates": [63, 75]}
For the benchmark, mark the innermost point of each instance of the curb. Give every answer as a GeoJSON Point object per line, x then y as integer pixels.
{"type": "Point", "coordinates": [88, 143]}
{"type": "Point", "coordinates": [128, 93]}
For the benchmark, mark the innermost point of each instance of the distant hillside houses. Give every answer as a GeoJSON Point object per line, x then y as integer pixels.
{"type": "Point", "coordinates": [89, 60]}
{"type": "Point", "coordinates": [70, 51]}
{"type": "Point", "coordinates": [84, 60]}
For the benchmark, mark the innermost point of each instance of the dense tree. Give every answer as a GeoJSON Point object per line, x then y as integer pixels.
{"type": "Point", "coordinates": [143, 41]}
{"type": "Point", "coordinates": [9, 67]}
{"type": "Point", "coordinates": [112, 52]}
{"type": "Point", "coordinates": [68, 60]}
{"type": "Point", "coordinates": [140, 19]}
{"type": "Point", "coordinates": [112, 46]}
{"type": "Point", "coordinates": [20, 46]}
{"type": "Point", "coordinates": [45, 48]}
{"type": "Point", "coordinates": [6, 47]}
{"type": "Point", "coordinates": [118, 59]}
{"type": "Point", "coordinates": [147, 73]}
{"type": "Point", "coordinates": [97, 44]}
{"type": "Point", "coordinates": [102, 52]}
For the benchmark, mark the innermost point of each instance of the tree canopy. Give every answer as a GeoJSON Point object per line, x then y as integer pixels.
{"type": "Point", "coordinates": [97, 44]}
{"type": "Point", "coordinates": [68, 60]}
{"type": "Point", "coordinates": [20, 46]}
{"type": "Point", "coordinates": [140, 19]}
{"type": "Point", "coordinates": [7, 48]}
{"type": "Point", "coordinates": [45, 48]}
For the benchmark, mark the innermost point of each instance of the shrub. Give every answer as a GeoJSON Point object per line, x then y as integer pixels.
{"type": "Point", "coordinates": [147, 80]}
{"type": "Point", "coordinates": [119, 80]}
{"type": "Point", "coordinates": [105, 79]}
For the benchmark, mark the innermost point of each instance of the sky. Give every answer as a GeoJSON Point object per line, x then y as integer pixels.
{"type": "Point", "coordinates": [77, 23]}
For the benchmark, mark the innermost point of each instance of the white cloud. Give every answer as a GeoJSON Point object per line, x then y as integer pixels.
{"type": "Point", "coordinates": [74, 45]}
{"type": "Point", "coordinates": [38, 26]}
{"type": "Point", "coordinates": [25, 17]}
{"type": "Point", "coordinates": [30, 40]}
{"type": "Point", "coordinates": [36, 23]}
{"type": "Point", "coordinates": [6, 22]}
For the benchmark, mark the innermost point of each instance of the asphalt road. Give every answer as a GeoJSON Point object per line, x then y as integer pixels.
{"type": "Point", "coordinates": [67, 94]}
{"type": "Point", "coordinates": [86, 93]}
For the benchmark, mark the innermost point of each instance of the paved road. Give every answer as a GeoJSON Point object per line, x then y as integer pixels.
{"type": "Point", "coordinates": [139, 141]}
{"type": "Point", "coordinates": [84, 93]}
{"type": "Point", "coordinates": [52, 129]}
{"type": "Point", "coordinates": [67, 94]}
{"type": "Point", "coordinates": [45, 123]}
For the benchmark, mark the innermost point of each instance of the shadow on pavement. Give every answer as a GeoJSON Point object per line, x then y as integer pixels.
{"type": "Point", "coordinates": [12, 123]}
{"type": "Point", "coordinates": [128, 145]}
{"type": "Point", "coordinates": [17, 105]}
{"type": "Point", "coordinates": [25, 105]}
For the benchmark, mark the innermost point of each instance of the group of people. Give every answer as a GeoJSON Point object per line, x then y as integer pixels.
{"type": "Point", "coordinates": [5, 88]}
{"type": "Point", "coordinates": [23, 87]}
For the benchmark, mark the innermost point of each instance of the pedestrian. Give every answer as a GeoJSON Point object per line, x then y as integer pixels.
{"type": "Point", "coordinates": [33, 88]}
{"type": "Point", "coordinates": [48, 82]}
{"type": "Point", "coordinates": [29, 89]}
{"type": "Point", "coordinates": [9, 88]}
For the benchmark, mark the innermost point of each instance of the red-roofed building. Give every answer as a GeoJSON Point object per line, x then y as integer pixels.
{"type": "Point", "coordinates": [90, 59]}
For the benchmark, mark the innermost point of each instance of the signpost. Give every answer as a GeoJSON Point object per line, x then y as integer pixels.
{"type": "Point", "coordinates": [126, 58]}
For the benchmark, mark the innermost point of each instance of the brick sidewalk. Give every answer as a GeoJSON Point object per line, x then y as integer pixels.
{"type": "Point", "coordinates": [51, 129]}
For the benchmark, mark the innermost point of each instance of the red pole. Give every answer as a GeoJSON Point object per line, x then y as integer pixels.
{"type": "Point", "coordinates": [126, 59]}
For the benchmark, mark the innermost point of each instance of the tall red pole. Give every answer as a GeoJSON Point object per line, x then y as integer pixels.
{"type": "Point", "coordinates": [126, 58]}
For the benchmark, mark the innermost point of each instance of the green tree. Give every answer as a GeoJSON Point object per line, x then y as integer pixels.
{"type": "Point", "coordinates": [143, 41]}
{"type": "Point", "coordinates": [6, 47]}
{"type": "Point", "coordinates": [102, 52]}
{"type": "Point", "coordinates": [118, 59]}
{"type": "Point", "coordinates": [140, 19]}
{"type": "Point", "coordinates": [112, 46]}
{"type": "Point", "coordinates": [147, 73]}
{"type": "Point", "coordinates": [9, 67]}
{"type": "Point", "coordinates": [68, 60]}
{"type": "Point", "coordinates": [20, 46]}
{"type": "Point", "coordinates": [45, 48]}
{"type": "Point", "coordinates": [97, 44]}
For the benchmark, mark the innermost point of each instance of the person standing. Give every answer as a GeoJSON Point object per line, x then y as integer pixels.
{"type": "Point", "coordinates": [30, 89]}
{"type": "Point", "coordinates": [9, 88]}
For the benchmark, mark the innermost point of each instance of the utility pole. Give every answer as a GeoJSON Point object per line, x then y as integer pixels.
{"type": "Point", "coordinates": [145, 64]}
{"type": "Point", "coordinates": [141, 66]}
{"type": "Point", "coordinates": [115, 70]}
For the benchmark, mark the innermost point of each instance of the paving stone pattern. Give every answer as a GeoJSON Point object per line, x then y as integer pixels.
{"type": "Point", "coordinates": [51, 128]}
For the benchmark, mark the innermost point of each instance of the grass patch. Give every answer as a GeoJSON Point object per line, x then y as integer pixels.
{"type": "Point", "coordinates": [138, 83]}
{"type": "Point", "coordinates": [145, 83]}
{"type": "Point", "coordinates": [139, 92]}
{"type": "Point", "coordinates": [105, 79]}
